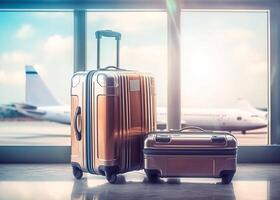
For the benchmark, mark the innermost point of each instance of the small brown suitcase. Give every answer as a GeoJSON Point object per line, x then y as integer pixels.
{"type": "Point", "coordinates": [111, 112]}
{"type": "Point", "coordinates": [190, 152]}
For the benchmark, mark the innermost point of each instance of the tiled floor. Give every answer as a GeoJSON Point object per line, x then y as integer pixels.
{"type": "Point", "coordinates": [55, 181]}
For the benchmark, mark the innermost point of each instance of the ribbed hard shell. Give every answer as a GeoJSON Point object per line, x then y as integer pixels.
{"type": "Point", "coordinates": [122, 111]}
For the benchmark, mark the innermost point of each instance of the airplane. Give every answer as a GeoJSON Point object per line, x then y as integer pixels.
{"type": "Point", "coordinates": [226, 119]}
{"type": "Point", "coordinates": [41, 104]}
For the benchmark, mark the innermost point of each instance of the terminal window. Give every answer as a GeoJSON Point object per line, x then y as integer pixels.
{"type": "Point", "coordinates": [43, 41]}
{"type": "Point", "coordinates": [225, 71]}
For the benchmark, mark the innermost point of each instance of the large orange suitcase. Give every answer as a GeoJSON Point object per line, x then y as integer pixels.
{"type": "Point", "coordinates": [111, 112]}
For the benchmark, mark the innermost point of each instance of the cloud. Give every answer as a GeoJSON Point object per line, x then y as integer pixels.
{"type": "Point", "coordinates": [14, 58]}
{"type": "Point", "coordinates": [150, 59]}
{"type": "Point", "coordinates": [56, 53]}
{"type": "Point", "coordinates": [57, 45]}
{"type": "Point", "coordinates": [52, 58]}
{"type": "Point", "coordinates": [127, 21]}
{"type": "Point", "coordinates": [12, 67]}
{"type": "Point", "coordinates": [233, 35]}
{"type": "Point", "coordinates": [15, 77]}
{"type": "Point", "coordinates": [25, 31]}
{"type": "Point", "coordinates": [234, 57]}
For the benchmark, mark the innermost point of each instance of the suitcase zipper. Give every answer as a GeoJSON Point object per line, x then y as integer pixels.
{"type": "Point", "coordinates": [128, 121]}
{"type": "Point", "coordinates": [122, 119]}
{"type": "Point", "coordinates": [142, 88]}
{"type": "Point", "coordinates": [202, 152]}
{"type": "Point", "coordinates": [89, 146]}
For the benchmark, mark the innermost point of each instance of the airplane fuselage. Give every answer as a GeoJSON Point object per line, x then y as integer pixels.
{"type": "Point", "coordinates": [209, 119]}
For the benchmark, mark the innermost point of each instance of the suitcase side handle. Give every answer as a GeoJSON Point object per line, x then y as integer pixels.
{"type": "Point", "coordinates": [192, 128]}
{"type": "Point", "coordinates": [108, 33]}
{"type": "Point", "coordinates": [77, 131]}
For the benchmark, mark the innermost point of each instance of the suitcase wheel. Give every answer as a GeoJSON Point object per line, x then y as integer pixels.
{"type": "Point", "coordinates": [77, 172]}
{"type": "Point", "coordinates": [227, 177]}
{"type": "Point", "coordinates": [153, 175]}
{"type": "Point", "coordinates": [111, 178]}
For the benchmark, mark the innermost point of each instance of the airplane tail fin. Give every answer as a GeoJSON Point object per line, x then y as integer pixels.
{"type": "Point", "coordinates": [36, 91]}
{"type": "Point", "coordinates": [244, 105]}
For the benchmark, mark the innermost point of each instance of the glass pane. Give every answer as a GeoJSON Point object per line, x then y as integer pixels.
{"type": "Point", "coordinates": [225, 73]}
{"type": "Point", "coordinates": [143, 45]}
{"type": "Point", "coordinates": [43, 40]}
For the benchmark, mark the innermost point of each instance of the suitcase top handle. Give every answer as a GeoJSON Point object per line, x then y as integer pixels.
{"type": "Point", "coordinates": [202, 130]}
{"type": "Point", "coordinates": [112, 34]}
{"type": "Point", "coordinates": [112, 67]}
{"type": "Point", "coordinates": [191, 128]}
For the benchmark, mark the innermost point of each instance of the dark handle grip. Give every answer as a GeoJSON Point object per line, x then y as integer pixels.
{"type": "Point", "coordinates": [163, 138]}
{"type": "Point", "coordinates": [77, 131]}
{"type": "Point", "coordinates": [218, 139]}
{"type": "Point", "coordinates": [107, 33]}
{"type": "Point", "coordinates": [192, 128]}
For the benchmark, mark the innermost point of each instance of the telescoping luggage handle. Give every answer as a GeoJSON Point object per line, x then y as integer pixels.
{"type": "Point", "coordinates": [108, 33]}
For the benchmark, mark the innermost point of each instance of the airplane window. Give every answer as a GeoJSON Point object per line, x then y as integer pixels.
{"type": "Point", "coordinates": [239, 118]}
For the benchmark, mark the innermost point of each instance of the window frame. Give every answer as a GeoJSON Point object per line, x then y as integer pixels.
{"type": "Point", "coordinates": [61, 154]}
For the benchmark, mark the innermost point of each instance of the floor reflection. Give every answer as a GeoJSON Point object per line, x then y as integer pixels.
{"type": "Point", "coordinates": [258, 182]}
{"type": "Point", "coordinates": [256, 189]}
{"type": "Point", "coordinates": [165, 189]}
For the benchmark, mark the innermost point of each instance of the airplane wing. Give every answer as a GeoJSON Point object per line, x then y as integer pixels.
{"type": "Point", "coordinates": [23, 106]}
{"type": "Point", "coordinates": [26, 109]}
{"type": "Point", "coordinates": [16, 106]}
{"type": "Point", "coordinates": [8, 107]}
{"type": "Point", "coordinates": [35, 112]}
{"type": "Point", "coordinates": [9, 110]}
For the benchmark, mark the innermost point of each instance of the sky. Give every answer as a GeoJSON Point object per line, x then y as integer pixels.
{"type": "Point", "coordinates": [224, 54]}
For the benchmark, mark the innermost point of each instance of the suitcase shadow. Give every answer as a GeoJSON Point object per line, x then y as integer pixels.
{"type": "Point", "coordinates": [169, 189]}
